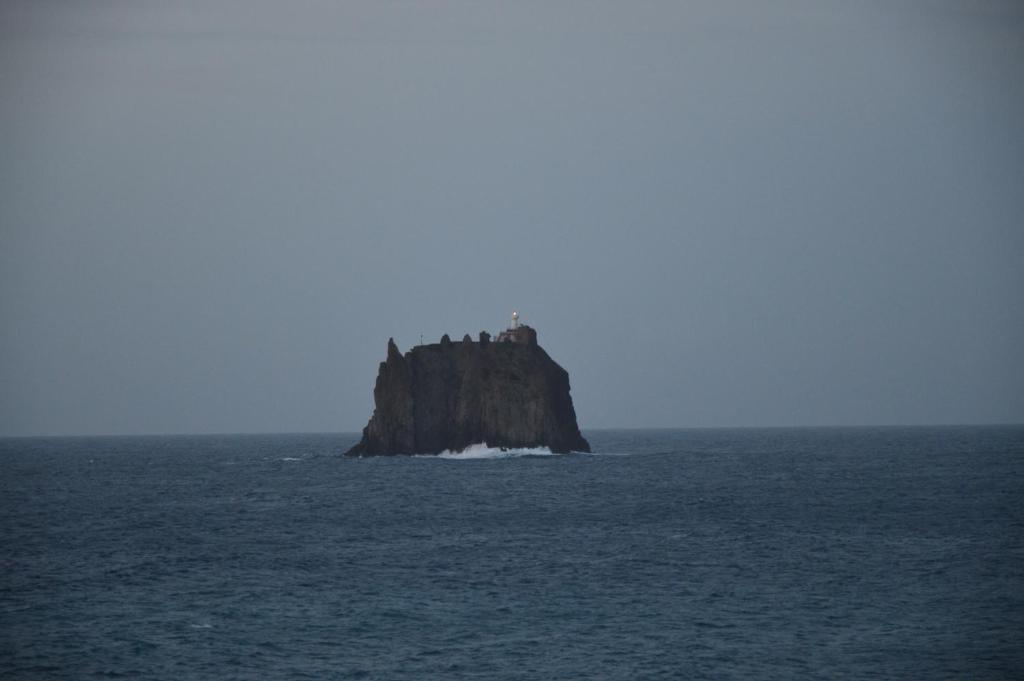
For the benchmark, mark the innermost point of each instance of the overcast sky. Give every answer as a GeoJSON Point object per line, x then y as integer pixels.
{"type": "Point", "coordinates": [213, 214]}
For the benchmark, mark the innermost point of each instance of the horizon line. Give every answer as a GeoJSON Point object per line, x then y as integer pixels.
{"type": "Point", "coordinates": [1004, 424]}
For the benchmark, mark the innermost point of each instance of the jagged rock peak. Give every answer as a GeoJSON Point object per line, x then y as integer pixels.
{"type": "Point", "coordinates": [393, 353]}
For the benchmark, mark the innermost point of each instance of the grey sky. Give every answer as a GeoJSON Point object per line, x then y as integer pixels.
{"type": "Point", "coordinates": [213, 214]}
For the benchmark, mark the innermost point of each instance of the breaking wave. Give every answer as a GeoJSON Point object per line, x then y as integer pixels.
{"type": "Point", "coordinates": [482, 451]}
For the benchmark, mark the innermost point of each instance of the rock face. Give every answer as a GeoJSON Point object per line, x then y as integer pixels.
{"type": "Point", "coordinates": [449, 395]}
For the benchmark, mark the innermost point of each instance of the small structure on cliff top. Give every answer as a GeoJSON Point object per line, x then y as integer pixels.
{"type": "Point", "coordinates": [449, 395]}
{"type": "Point", "coordinates": [517, 333]}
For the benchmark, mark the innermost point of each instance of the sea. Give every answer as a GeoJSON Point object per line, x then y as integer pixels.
{"type": "Point", "coordinates": [803, 553]}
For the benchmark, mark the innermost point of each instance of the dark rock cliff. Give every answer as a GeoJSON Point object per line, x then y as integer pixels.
{"type": "Point", "coordinates": [449, 395]}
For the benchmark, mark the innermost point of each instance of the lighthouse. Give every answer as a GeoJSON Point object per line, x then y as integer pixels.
{"type": "Point", "coordinates": [517, 333]}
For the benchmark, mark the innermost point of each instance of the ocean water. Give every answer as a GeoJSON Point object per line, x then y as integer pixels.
{"type": "Point", "coordinates": [884, 553]}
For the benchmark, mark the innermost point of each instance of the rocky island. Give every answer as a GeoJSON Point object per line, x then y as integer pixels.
{"type": "Point", "coordinates": [506, 392]}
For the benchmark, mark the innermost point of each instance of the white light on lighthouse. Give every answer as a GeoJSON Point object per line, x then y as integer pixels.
{"type": "Point", "coordinates": [515, 319]}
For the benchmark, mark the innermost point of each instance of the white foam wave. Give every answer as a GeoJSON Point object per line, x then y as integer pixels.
{"type": "Point", "coordinates": [482, 451]}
